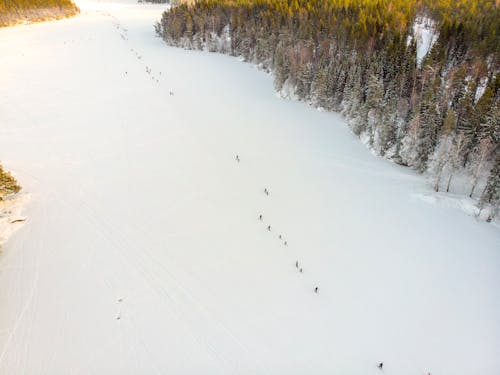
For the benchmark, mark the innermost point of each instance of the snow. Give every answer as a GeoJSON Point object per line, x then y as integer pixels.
{"type": "Point", "coordinates": [143, 252]}
{"type": "Point", "coordinates": [425, 34]}
{"type": "Point", "coordinates": [458, 201]}
{"type": "Point", "coordinates": [481, 88]}
{"type": "Point", "coordinates": [11, 217]}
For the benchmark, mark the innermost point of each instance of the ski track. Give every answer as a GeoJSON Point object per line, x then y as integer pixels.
{"type": "Point", "coordinates": [134, 298]}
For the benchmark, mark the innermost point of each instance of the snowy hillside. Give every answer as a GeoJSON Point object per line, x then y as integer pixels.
{"type": "Point", "coordinates": [425, 34]}
{"type": "Point", "coordinates": [144, 253]}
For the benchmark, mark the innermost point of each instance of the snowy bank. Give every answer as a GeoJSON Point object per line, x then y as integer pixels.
{"type": "Point", "coordinates": [11, 215]}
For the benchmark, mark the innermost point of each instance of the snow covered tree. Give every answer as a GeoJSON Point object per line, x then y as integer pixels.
{"type": "Point", "coordinates": [480, 160]}
{"type": "Point", "coordinates": [281, 68]}
{"type": "Point", "coordinates": [491, 193]}
{"type": "Point", "coordinates": [429, 124]}
{"type": "Point", "coordinates": [374, 100]}
{"type": "Point", "coordinates": [320, 88]}
{"type": "Point", "coordinates": [443, 154]}
{"type": "Point", "coordinates": [303, 80]}
{"type": "Point", "coordinates": [441, 158]}
{"type": "Point", "coordinates": [455, 156]}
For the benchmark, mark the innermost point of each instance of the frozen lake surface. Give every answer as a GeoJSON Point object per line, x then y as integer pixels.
{"type": "Point", "coordinates": [143, 251]}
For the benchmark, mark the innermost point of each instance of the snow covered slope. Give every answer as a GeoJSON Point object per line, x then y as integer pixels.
{"type": "Point", "coordinates": [425, 34]}
{"type": "Point", "coordinates": [143, 252]}
{"type": "Point", "coordinates": [11, 215]}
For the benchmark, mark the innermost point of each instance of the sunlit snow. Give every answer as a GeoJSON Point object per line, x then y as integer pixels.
{"type": "Point", "coordinates": [143, 252]}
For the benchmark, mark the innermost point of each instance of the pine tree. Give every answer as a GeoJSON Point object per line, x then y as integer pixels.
{"type": "Point", "coordinates": [479, 162]}
{"type": "Point", "coordinates": [491, 193]}
{"type": "Point", "coordinates": [281, 68]}
{"type": "Point", "coordinates": [427, 135]}
{"type": "Point", "coordinates": [303, 80]}
{"type": "Point", "coordinates": [456, 156]}
{"type": "Point", "coordinates": [320, 88]}
{"type": "Point", "coordinates": [374, 100]}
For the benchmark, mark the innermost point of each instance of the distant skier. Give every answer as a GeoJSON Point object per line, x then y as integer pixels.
{"type": "Point", "coordinates": [260, 217]}
{"type": "Point", "coordinates": [316, 290]}
{"type": "Point", "coordinates": [237, 158]}
{"type": "Point", "coordinates": [266, 191]}
{"type": "Point", "coordinates": [300, 270]}
{"type": "Point", "coordinates": [280, 237]}
{"type": "Point", "coordinates": [297, 264]}
{"type": "Point", "coordinates": [381, 365]}
{"type": "Point", "coordinates": [285, 243]}
{"type": "Point", "coordinates": [269, 228]}
{"type": "Point", "coordinates": [171, 93]}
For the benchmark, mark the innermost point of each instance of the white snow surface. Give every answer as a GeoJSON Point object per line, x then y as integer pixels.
{"type": "Point", "coordinates": [11, 215]}
{"type": "Point", "coordinates": [481, 88]}
{"type": "Point", "coordinates": [425, 34]}
{"type": "Point", "coordinates": [143, 252]}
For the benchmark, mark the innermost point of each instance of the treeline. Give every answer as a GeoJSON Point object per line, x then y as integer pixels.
{"type": "Point", "coordinates": [154, 1]}
{"type": "Point", "coordinates": [8, 184]}
{"type": "Point", "coordinates": [436, 111]}
{"type": "Point", "coordinates": [16, 11]}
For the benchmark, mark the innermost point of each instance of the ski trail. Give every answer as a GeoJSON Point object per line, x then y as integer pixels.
{"type": "Point", "coordinates": [25, 308]}
{"type": "Point", "coordinates": [197, 312]}
{"type": "Point", "coordinates": [135, 261]}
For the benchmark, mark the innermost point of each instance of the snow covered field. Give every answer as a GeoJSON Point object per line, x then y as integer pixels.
{"type": "Point", "coordinates": [143, 252]}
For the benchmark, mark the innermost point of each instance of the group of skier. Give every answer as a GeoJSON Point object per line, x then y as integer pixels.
{"type": "Point", "coordinates": [297, 264]}
{"type": "Point", "coordinates": [285, 243]}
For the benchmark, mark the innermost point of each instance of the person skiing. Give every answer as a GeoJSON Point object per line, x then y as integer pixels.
{"type": "Point", "coordinates": [279, 237]}
{"type": "Point", "coordinates": [260, 217]}
{"type": "Point", "coordinates": [266, 191]}
{"type": "Point", "coordinates": [297, 264]}
{"type": "Point", "coordinates": [269, 228]}
{"type": "Point", "coordinates": [381, 365]}
{"type": "Point", "coordinates": [285, 243]}
{"type": "Point", "coordinates": [237, 158]}
{"type": "Point", "coordinates": [316, 290]}
{"type": "Point", "coordinates": [300, 270]}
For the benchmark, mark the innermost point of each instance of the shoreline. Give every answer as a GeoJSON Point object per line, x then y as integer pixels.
{"type": "Point", "coordinates": [29, 16]}
{"type": "Point", "coordinates": [11, 215]}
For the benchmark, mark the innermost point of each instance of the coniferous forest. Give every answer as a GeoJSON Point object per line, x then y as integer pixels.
{"type": "Point", "coordinates": [417, 79]}
{"type": "Point", "coordinates": [15, 11]}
